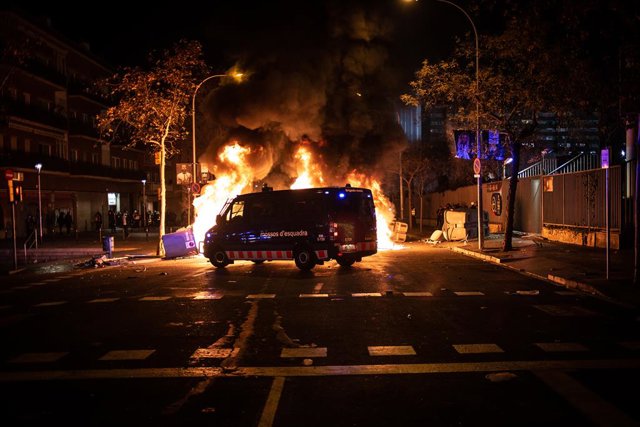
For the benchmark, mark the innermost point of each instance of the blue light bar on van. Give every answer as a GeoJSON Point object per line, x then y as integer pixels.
{"type": "Point", "coordinates": [341, 195]}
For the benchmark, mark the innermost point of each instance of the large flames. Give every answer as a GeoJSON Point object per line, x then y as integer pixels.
{"type": "Point", "coordinates": [235, 175]}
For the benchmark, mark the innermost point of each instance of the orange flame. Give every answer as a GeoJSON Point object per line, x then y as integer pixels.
{"type": "Point", "coordinates": [235, 175]}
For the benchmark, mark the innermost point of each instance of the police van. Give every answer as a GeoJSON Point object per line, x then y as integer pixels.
{"type": "Point", "coordinates": [309, 226]}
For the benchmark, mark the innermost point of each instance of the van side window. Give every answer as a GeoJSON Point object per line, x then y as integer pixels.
{"type": "Point", "coordinates": [236, 211]}
{"type": "Point", "coordinates": [262, 210]}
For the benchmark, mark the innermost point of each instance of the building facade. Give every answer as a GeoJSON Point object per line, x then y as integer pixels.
{"type": "Point", "coordinates": [47, 117]}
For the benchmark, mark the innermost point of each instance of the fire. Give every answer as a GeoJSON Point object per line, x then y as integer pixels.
{"type": "Point", "coordinates": [234, 175]}
{"type": "Point", "coordinates": [309, 173]}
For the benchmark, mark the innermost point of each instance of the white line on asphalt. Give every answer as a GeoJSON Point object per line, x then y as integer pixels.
{"type": "Point", "coordinates": [127, 355]}
{"type": "Point", "coordinates": [50, 304]}
{"type": "Point", "coordinates": [477, 348]}
{"type": "Point", "coordinates": [259, 296]}
{"type": "Point", "coordinates": [101, 300]}
{"type": "Point", "coordinates": [207, 295]}
{"type": "Point", "coordinates": [391, 350]}
{"type": "Point", "coordinates": [417, 294]}
{"type": "Point", "coordinates": [271, 406]}
{"type": "Point", "coordinates": [366, 294]}
{"type": "Point", "coordinates": [561, 346]}
{"type": "Point", "coordinates": [38, 357]}
{"type": "Point", "coordinates": [468, 293]}
{"type": "Point", "coordinates": [315, 371]}
{"type": "Point", "coordinates": [154, 298]}
{"type": "Point", "coordinates": [314, 296]}
{"type": "Point", "coordinates": [601, 412]}
{"type": "Point", "coordinates": [212, 353]}
{"type": "Point", "coordinates": [304, 352]}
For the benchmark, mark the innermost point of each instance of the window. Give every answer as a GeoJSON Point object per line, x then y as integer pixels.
{"type": "Point", "coordinates": [44, 149]}
{"type": "Point", "coordinates": [95, 158]}
{"type": "Point", "coordinates": [27, 145]}
{"type": "Point", "coordinates": [74, 156]}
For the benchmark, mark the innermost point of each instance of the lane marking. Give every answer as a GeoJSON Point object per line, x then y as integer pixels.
{"type": "Point", "coordinates": [417, 294]}
{"type": "Point", "coordinates": [477, 348]}
{"type": "Point", "coordinates": [50, 304]}
{"type": "Point", "coordinates": [304, 352]}
{"type": "Point", "coordinates": [561, 346]}
{"type": "Point", "coordinates": [101, 300]}
{"type": "Point", "coordinates": [208, 295]}
{"type": "Point", "coordinates": [468, 293]}
{"type": "Point", "coordinates": [601, 412]}
{"type": "Point", "coordinates": [315, 371]}
{"type": "Point", "coordinates": [391, 350]}
{"type": "Point", "coordinates": [127, 355]}
{"type": "Point", "coordinates": [366, 294]}
{"type": "Point", "coordinates": [154, 298]}
{"type": "Point", "coordinates": [271, 406]}
{"type": "Point", "coordinates": [565, 310]}
{"type": "Point", "coordinates": [38, 357]}
{"type": "Point", "coordinates": [212, 353]}
{"type": "Point", "coordinates": [313, 296]}
{"type": "Point", "coordinates": [260, 296]}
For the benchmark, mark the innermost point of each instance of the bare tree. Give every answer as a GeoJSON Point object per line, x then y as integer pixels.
{"type": "Point", "coordinates": [152, 106]}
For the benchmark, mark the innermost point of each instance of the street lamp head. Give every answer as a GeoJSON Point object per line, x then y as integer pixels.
{"type": "Point", "coordinates": [144, 181]}
{"type": "Point", "coordinates": [38, 166]}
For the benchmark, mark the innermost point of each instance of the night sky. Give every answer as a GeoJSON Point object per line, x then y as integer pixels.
{"type": "Point", "coordinates": [123, 35]}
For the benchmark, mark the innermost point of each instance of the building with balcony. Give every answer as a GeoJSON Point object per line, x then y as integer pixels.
{"type": "Point", "coordinates": [47, 117]}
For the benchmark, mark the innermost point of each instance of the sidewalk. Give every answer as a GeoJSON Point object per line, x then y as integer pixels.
{"type": "Point", "coordinates": [574, 267]}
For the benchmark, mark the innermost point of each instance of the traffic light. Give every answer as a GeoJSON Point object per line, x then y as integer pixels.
{"type": "Point", "coordinates": [17, 190]}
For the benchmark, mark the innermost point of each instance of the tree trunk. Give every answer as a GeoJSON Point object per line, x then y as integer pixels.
{"type": "Point", "coordinates": [507, 244]}
{"type": "Point", "coordinates": [163, 198]}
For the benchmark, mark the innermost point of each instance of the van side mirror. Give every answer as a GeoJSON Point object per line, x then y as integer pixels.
{"type": "Point", "coordinates": [218, 219]}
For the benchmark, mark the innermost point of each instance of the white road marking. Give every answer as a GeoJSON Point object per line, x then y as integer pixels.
{"type": "Point", "coordinates": [315, 371]}
{"type": "Point", "coordinates": [477, 348]}
{"type": "Point", "coordinates": [314, 295]}
{"type": "Point", "coordinates": [154, 298]}
{"type": "Point", "coordinates": [127, 355]}
{"type": "Point", "coordinates": [565, 310]}
{"type": "Point", "coordinates": [561, 346]}
{"type": "Point", "coordinates": [601, 412]}
{"type": "Point", "coordinates": [391, 350]}
{"type": "Point", "coordinates": [366, 294]}
{"type": "Point", "coordinates": [38, 357]}
{"type": "Point", "coordinates": [468, 293]}
{"type": "Point", "coordinates": [208, 295]}
{"type": "Point", "coordinates": [271, 406]}
{"type": "Point", "coordinates": [258, 296]}
{"type": "Point", "coordinates": [211, 353]}
{"type": "Point", "coordinates": [50, 304]}
{"type": "Point", "coordinates": [101, 300]}
{"type": "Point", "coordinates": [417, 294]}
{"type": "Point", "coordinates": [304, 352]}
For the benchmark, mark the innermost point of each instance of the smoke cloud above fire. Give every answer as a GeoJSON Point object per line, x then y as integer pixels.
{"type": "Point", "coordinates": [329, 91]}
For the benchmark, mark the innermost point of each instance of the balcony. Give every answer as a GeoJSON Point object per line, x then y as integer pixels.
{"type": "Point", "coordinates": [14, 159]}
{"type": "Point", "coordinates": [78, 127]}
{"type": "Point", "coordinates": [13, 107]}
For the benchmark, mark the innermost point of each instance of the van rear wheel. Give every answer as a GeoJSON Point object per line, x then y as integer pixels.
{"type": "Point", "coordinates": [305, 258]}
{"type": "Point", "coordinates": [219, 258]}
{"type": "Point", "coordinates": [344, 261]}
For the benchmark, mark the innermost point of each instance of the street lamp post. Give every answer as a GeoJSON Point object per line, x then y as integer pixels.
{"type": "Point", "coordinates": [478, 138]}
{"type": "Point", "coordinates": [39, 167]}
{"type": "Point", "coordinates": [193, 121]}
{"type": "Point", "coordinates": [144, 207]}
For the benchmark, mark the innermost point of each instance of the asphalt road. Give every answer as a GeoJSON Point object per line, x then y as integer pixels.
{"type": "Point", "coordinates": [413, 337]}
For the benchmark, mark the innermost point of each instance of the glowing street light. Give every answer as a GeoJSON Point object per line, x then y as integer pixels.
{"type": "Point", "coordinates": [238, 77]}
{"type": "Point", "coordinates": [478, 139]}
{"type": "Point", "coordinates": [39, 167]}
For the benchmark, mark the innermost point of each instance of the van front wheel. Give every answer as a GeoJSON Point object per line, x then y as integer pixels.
{"type": "Point", "coordinates": [305, 258]}
{"type": "Point", "coordinates": [219, 258]}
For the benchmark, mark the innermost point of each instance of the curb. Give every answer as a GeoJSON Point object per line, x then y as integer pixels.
{"type": "Point", "coordinates": [567, 283]}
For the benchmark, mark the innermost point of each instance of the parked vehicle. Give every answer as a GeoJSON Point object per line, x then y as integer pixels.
{"type": "Point", "coordinates": [309, 226]}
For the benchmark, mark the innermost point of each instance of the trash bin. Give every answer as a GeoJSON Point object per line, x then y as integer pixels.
{"type": "Point", "coordinates": [179, 244]}
{"type": "Point", "coordinates": [107, 245]}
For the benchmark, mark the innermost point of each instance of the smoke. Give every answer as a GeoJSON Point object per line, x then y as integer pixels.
{"type": "Point", "coordinates": [331, 93]}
